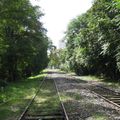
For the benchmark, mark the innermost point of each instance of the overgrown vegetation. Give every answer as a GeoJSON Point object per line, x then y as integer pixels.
{"type": "Point", "coordinates": [92, 41]}
{"type": "Point", "coordinates": [15, 97]}
{"type": "Point", "coordinates": [47, 100]}
{"type": "Point", "coordinates": [23, 40]}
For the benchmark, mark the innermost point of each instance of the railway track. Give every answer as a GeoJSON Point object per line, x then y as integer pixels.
{"type": "Point", "coordinates": [107, 94]}
{"type": "Point", "coordinates": [43, 106]}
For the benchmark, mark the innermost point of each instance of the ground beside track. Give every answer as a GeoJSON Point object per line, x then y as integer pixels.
{"type": "Point", "coordinates": [16, 96]}
{"type": "Point", "coordinates": [80, 103]}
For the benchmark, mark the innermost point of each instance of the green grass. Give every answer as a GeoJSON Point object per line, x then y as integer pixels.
{"type": "Point", "coordinates": [106, 81]}
{"type": "Point", "coordinates": [70, 96]}
{"type": "Point", "coordinates": [100, 116]}
{"type": "Point", "coordinates": [91, 78]}
{"type": "Point", "coordinates": [15, 97]}
{"type": "Point", "coordinates": [47, 101]}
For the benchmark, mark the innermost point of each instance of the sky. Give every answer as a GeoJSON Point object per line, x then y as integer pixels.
{"type": "Point", "coordinates": [58, 14]}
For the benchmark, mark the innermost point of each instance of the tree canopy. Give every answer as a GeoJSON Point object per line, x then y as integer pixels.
{"type": "Point", "coordinates": [23, 40]}
{"type": "Point", "coordinates": [92, 40]}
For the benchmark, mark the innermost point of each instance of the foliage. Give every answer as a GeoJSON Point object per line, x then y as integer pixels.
{"type": "Point", "coordinates": [54, 57]}
{"type": "Point", "coordinates": [92, 40]}
{"type": "Point", "coordinates": [23, 40]}
{"type": "Point", "coordinates": [16, 96]}
{"type": "Point", "coordinates": [57, 59]}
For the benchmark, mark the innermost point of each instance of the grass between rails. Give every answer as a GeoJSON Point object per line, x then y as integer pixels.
{"type": "Point", "coordinates": [16, 96]}
{"type": "Point", "coordinates": [47, 101]}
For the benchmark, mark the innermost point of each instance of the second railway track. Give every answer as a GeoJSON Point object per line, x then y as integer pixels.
{"type": "Point", "coordinates": [107, 94]}
{"type": "Point", "coordinates": [46, 104]}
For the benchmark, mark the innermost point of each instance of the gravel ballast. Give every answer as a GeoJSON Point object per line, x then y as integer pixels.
{"type": "Point", "coordinates": [80, 102]}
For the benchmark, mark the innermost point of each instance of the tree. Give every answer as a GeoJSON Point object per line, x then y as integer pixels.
{"type": "Point", "coordinates": [23, 39]}
{"type": "Point", "coordinates": [54, 57]}
{"type": "Point", "coordinates": [93, 40]}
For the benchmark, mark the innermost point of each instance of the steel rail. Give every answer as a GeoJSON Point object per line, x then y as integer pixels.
{"type": "Point", "coordinates": [31, 101]}
{"type": "Point", "coordinates": [106, 98]}
{"type": "Point", "coordinates": [113, 91]}
{"type": "Point", "coordinates": [66, 116]}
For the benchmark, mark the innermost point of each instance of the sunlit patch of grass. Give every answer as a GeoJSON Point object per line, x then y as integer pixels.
{"type": "Point", "coordinates": [90, 78]}
{"type": "Point", "coordinates": [12, 109]}
{"type": "Point", "coordinates": [100, 116]}
{"type": "Point", "coordinates": [47, 100]}
{"type": "Point", "coordinates": [71, 73]}
{"type": "Point", "coordinates": [15, 96]}
{"type": "Point", "coordinates": [40, 99]}
{"type": "Point", "coordinates": [68, 96]}
{"type": "Point", "coordinates": [65, 97]}
{"type": "Point", "coordinates": [111, 83]}
{"type": "Point", "coordinates": [35, 77]}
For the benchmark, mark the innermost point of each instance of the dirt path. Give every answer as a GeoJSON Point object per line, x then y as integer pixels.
{"type": "Point", "coordinates": [79, 102]}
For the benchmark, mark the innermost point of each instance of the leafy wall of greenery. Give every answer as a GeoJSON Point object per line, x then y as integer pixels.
{"type": "Point", "coordinates": [93, 40]}
{"type": "Point", "coordinates": [23, 40]}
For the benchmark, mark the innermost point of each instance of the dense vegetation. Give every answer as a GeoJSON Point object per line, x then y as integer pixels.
{"type": "Point", "coordinates": [93, 41]}
{"type": "Point", "coordinates": [17, 95]}
{"type": "Point", "coordinates": [23, 40]}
